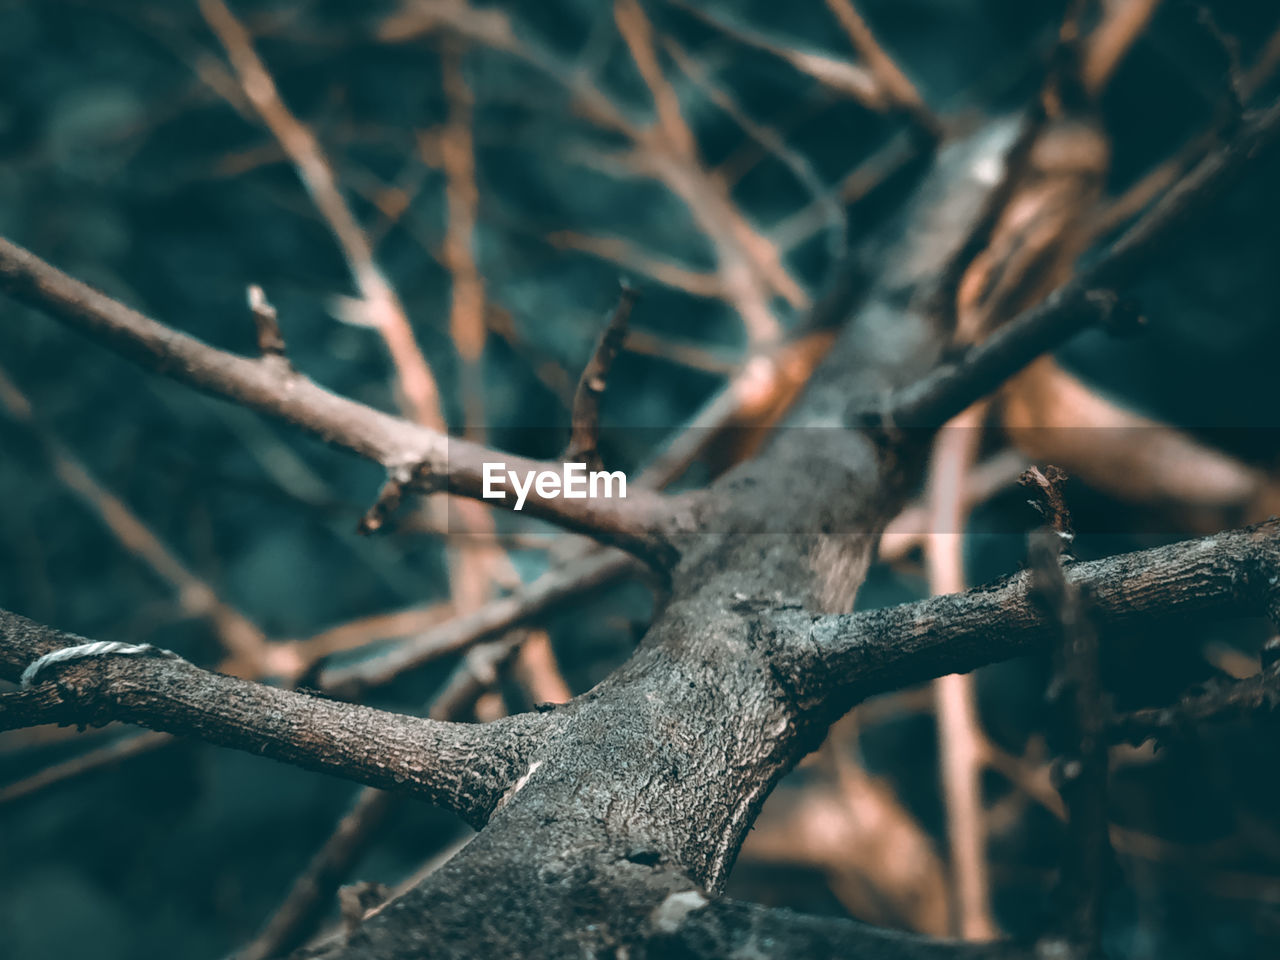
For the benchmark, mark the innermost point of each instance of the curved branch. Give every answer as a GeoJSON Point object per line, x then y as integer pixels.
{"type": "Point", "coordinates": [433, 460]}
{"type": "Point", "coordinates": [464, 767]}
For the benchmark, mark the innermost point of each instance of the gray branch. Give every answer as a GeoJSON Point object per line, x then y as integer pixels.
{"type": "Point", "coordinates": [464, 767]}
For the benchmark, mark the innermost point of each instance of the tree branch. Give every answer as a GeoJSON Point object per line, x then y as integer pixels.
{"type": "Point", "coordinates": [463, 767]}
{"type": "Point", "coordinates": [436, 462]}
{"type": "Point", "coordinates": [584, 443]}
{"type": "Point", "coordinates": [831, 662]}
{"type": "Point", "coordinates": [1083, 301]}
{"type": "Point", "coordinates": [533, 599]}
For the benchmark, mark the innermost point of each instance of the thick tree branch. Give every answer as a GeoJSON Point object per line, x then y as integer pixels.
{"type": "Point", "coordinates": [435, 461]}
{"type": "Point", "coordinates": [833, 661]}
{"type": "Point", "coordinates": [464, 767]}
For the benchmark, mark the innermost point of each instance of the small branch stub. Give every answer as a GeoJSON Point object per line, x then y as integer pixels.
{"type": "Point", "coordinates": [270, 339]}
{"type": "Point", "coordinates": [388, 502]}
{"type": "Point", "coordinates": [1049, 501]}
{"type": "Point", "coordinates": [584, 441]}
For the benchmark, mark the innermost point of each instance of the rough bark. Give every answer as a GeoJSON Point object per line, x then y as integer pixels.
{"type": "Point", "coordinates": [463, 767]}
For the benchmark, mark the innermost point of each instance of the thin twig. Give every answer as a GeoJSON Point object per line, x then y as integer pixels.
{"type": "Point", "coordinates": [437, 462]}
{"type": "Point", "coordinates": [380, 306]}
{"type": "Point", "coordinates": [959, 731]}
{"type": "Point", "coordinates": [247, 646]}
{"type": "Point", "coordinates": [897, 89]}
{"type": "Point", "coordinates": [584, 441]}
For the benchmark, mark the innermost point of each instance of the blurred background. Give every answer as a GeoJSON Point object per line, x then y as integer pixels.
{"type": "Point", "coordinates": [480, 177]}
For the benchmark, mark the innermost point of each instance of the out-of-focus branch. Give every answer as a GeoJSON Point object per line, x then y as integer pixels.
{"type": "Point", "coordinates": [309, 897]}
{"type": "Point", "coordinates": [1220, 702]}
{"type": "Point", "coordinates": [243, 641]}
{"type": "Point", "coordinates": [380, 307]}
{"type": "Point", "coordinates": [584, 441]}
{"type": "Point", "coordinates": [773, 143]}
{"type": "Point", "coordinates": [1085, 300]}
{"type": "Point", "coordinates": [1122, 24]}
{"type": "Point", "coordinates": [119, 749]}
{"type": "Point", "coordinates": [960, 736]}
{"type": "Point", "coordinates": [467, 297]}
{"type": "Point", "coordinates": [911, 528]}
{"type": "Point", "coordinates": [1081, 769]}
{"type": "Point", "coordinates": [750, 267]}
{"type": "Point", "coordinates": [848, 79]}
{"type": "Point", "coordinates": [494, 618]}
{"type": "Point", "coordinates": [893, 83]}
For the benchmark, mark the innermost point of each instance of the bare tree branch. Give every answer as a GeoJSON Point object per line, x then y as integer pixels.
{"type": "Point", "coordinates": [435, 461]}
{"type": "Point", "coordinates": [1077, 698]}
{"type": "Point", "coordinates": [1083, 301]}
{"type": "Point", "coordinates": [546, 593]}
{"type": "Point", "coordinates": [584, 442]}
{"type": "Point", "coordinates": [463, 767]}
{"type": "Point", "coordinates": [833, 661]}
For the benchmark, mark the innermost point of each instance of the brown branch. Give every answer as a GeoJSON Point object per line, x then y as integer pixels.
{"type": "Point", "coordinates": [270, 339]}
{"type": "Point", "coordinates": [381, 306]}
{"type": "Point", "coordinates": [893, 83]}
{"type": "Point", "coordinates": [436, 461]}
{"type": "Point", "coordinates": [305, 904]}
{"type": "Point", "coordinates": [773, 143]}
{"type": "Point", "coordinates": [837, 660]}
{"type": "Point", "coordinates": [310, 896]}
{"type": "Point", "coordinates": [244, 642]}
{"type": "Point", "coordinates": [840, 76]}
{"type": "Point", "coordinates": [960, 735]}
{"type": "Point", "coordinates": [527, 602]}
{"type": "Point", "coordinates": [1108, 43]}
{"type": "Point", "coordinates": [911, 528]}
{"type": "Point", "coordinates": [1077, 698]}
{"type": "Point", "coordinates": [1085, 299]}
{"type": "Point", "coordinates": [467, 294]}
{"type": "Point", "coordinates": [584, 441]}
{"type": "Point", "coordinates": [463, 767]}
{"type": "Point", "coordinates": [1049, 502]}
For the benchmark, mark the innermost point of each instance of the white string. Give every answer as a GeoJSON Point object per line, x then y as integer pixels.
{"type": "Point", "coordinates": [96, 648]}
